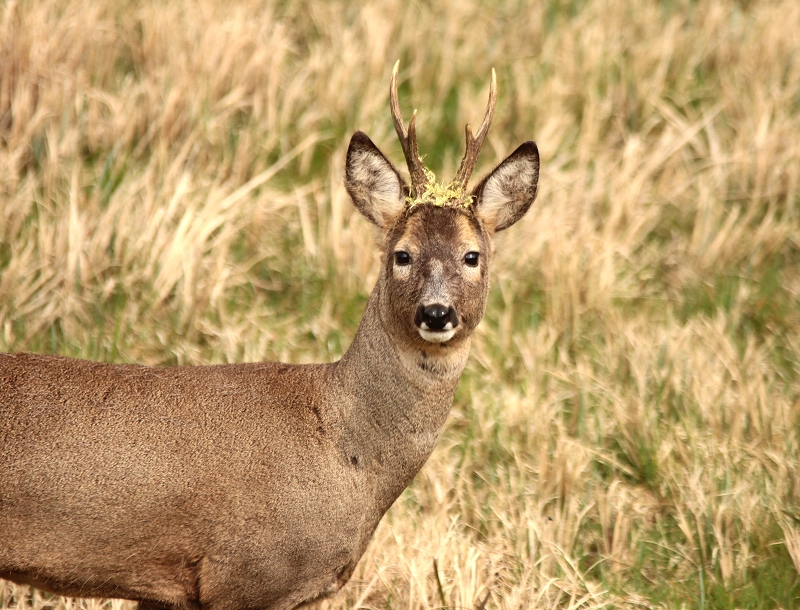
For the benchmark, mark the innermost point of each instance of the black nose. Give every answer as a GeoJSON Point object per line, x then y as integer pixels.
{"type": "Point", "coordinates": [436, 316]}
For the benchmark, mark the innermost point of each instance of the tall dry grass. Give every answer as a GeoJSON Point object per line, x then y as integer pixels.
{"type": "Point", "coordinates": [626, 434]}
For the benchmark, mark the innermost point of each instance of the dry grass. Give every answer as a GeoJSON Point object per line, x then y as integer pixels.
{"type": "Point", "coordinates": [626, 434]}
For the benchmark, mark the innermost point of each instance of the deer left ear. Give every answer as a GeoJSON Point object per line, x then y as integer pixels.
{"type": "Point", "coordinates": [503, 197]}
{"type": "Point", "coordinates": [372, 181]}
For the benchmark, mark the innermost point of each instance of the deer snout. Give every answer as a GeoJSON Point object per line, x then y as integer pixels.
{"type": "Point", "coordinates": [437, 317]}
{"type": "Point", "coordinates": [436, 323]}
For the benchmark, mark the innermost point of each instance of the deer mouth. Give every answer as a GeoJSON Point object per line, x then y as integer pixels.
{"type": "Point", "coordinates": [437, 336]}
{"type": "Point", "coordinates": [436, 323]}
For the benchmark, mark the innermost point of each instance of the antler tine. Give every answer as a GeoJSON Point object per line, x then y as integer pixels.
{"type": "Point", "coordinates": [408, 138]}
{"type": "Point", "coordinates": [474, 143]}
{"type": "Point", "coordinates": [399, 124]}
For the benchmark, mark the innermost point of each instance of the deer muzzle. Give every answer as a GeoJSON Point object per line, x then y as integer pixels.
{"type": "Point", "coordinates": [436, 323]}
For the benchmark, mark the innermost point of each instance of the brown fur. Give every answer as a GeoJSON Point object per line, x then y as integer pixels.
{"type": "Point", "coordinates": [245, 485]}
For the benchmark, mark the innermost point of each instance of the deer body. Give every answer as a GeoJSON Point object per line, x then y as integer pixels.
{"type": "Point", "coordinates": [253, 485]}
{"type": "Point", "coordinates": [277, 474]}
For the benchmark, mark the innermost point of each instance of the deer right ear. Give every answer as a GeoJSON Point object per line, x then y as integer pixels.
{"type": "Point", "coordinates": [372, 182]}
{"type": "Point", "coordinates": [503, 197]}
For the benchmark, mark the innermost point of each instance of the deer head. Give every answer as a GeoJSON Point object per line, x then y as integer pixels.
{"type": "Point", "coordinates": [437, 238]}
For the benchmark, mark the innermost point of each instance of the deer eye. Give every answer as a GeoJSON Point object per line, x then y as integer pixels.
{"type": "Point", "coordinates": [471, 259]}
{"type": "Point", "coordinates": [402, 258]}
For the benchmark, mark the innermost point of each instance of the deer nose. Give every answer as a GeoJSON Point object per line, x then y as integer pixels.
{"type": "Point", "coordinates": [436, 317]}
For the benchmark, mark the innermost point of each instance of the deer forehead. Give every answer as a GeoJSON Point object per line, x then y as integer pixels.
{"type": "Point", "coordinates": [439, 232]}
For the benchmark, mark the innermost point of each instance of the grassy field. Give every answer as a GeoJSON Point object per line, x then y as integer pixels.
{"type": "Point", "coordinates": [626, 432]}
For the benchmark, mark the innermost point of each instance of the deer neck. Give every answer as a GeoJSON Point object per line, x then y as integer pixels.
{"type": "Point", "coordinates": [396, 398]}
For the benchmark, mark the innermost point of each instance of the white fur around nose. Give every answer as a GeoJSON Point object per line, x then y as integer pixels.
{"type": "Point", "coordinates": [435, 291]}
{"type": "Point", "coordinates": [437, 336]}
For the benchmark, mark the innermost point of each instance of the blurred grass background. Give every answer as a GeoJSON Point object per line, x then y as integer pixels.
{"type": "Point", "coordinates": [626, 432]}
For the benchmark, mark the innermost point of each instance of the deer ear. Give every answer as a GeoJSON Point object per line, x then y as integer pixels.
{"type": "Point", "coordinates": [372, 181]}
{"type": "Point", "coordinates": [503, 197]}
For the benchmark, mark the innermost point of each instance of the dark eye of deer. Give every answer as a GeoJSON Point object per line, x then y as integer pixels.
{"type": "Point", "coordinates": [402, 258]}
{"type": "Point", "coordinates": [471, 259]}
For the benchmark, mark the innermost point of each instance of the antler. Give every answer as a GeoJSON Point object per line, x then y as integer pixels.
{"type": "Point", "coordinates": [408, 139]}
{"type": "Point", "coordinates": [474, 143]}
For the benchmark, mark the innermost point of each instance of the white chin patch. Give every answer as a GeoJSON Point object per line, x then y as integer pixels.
{"type": "Point", "coordinates": [437, 336]}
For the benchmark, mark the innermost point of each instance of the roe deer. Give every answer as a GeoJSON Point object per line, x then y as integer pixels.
{"type": "Point", "coordinates": [258, 485]}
